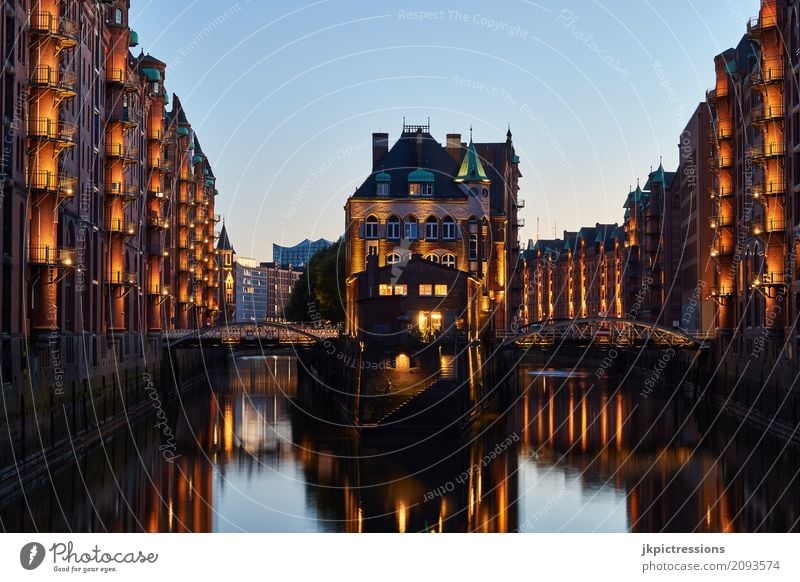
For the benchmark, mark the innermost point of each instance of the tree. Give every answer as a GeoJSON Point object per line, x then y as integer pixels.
{"type": "Point", "coordinates": [320, 289]}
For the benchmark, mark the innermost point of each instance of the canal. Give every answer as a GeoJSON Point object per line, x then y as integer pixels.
{"type": "Point", "coordinates": [573, 453]}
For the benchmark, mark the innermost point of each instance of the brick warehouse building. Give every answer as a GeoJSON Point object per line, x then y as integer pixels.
{"type": "Point", "coordinates": [755, 106]}
{"type": "Point", "coordinates": [454, 206]}
{"type": "Point", "coordinates": [108, 200]}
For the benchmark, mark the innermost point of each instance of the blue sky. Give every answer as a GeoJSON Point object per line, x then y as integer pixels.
{"type": "Point", "coordinates": [285, 95]}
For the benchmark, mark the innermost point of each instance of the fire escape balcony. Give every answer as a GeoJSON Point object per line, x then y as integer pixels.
{"type": "Point", "coordinates": [767, 226]}
{"type": "Point", "coordinates": [49, 78]}
{"type": "Point", "coordinates": [157, 195]}
{"type": "Point", "coordinates": [122, 78]}
{"type": "Point", "coordinates": [123, 116]}
{"type": "Point", "coordinates": [156, 288]}
{"type": "Point", "coordinates": [767, 190]}
{"type": "Point", "coordinates": [125, 153]}
{"type": "Point", "coordinates": [52, 183]}
{"type": "Point", "coordinates": [44, 129]}
{"type": "Point", "coordinates": [761, 153]}
{"type": "Point", "coordinates": [122, 278]}
{"type": "Point", "coordinates": [719, 249]}
{"type": "Point", "coordinates": [720, 162]}
{"type": "Point", "coordinates": [63, 30]}
{"type": "Point", "coordinates": [520, 203]}
{"type": "Point", "coordinates": [123, 192]}
{"type": "Point", "coordinates": [722, 221]}
{"type": "Point", "coordinates": [159, 135]}
{"type": "Point", "coordinates": [757, 26]}
{"type": "Point", "coordinates": [722, 295]}
{"type": "Point", "coordinates": [762, 113]}
{"type": "Point", "coordinates": [121, 226]}
{"type": "Point", "coordinates": [51, 256]}
{"type": "Point", "coordinates": [157, 222]}
{"type": "Point", "coordinates": [721, 192]}
{"type": "Point", "coordinates": [519, 223]}
{"type": "Point", "coordinates": [769, 71]}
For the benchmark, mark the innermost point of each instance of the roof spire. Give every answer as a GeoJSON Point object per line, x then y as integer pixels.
{"type": "Point", "coordinates": [471, 169]}
{"type": "Point", "coordinates": [470, 133]}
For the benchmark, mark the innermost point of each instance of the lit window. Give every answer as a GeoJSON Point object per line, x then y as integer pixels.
{"type": "Point", "coordinates": [431, 228]}
{"type": "Point", "coordinates": [392, 258]}
{"type": "Point", "coordinates": [448, 228]}
{"type": "Point", "coordinates": [371, 228]}
{"type": "Point", "coordinates": [400, 290]}
{"type": "Point", "coordinates": [383, 189]}
{"type": "Point", "coordinates": [411, 228]}
{"type": "Point", "coordinates": [449, 260]}
{"type": "Point", "coordinates": [425, 290]}
{"type": "Point", "coordinates": [441, 290]}
{"type": "Point", "coordinates": [393, 228]}
{"type": "Point", "coordinates": [432, 258]}
{"type": "Point", "coordinates": [384, 290]}
{"type": "Point", "coordinates": [414, 189]}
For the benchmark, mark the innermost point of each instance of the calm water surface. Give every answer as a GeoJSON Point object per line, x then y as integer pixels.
{"type": "Point", "coordinates": [572, 454]}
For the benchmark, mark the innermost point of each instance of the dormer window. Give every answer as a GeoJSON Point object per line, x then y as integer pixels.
{"type": "Point", "coordinates": [420, 183]}
{"type": "Point", "coordinates": [382, 184]}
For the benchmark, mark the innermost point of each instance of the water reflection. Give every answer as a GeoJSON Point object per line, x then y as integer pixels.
{"type": "Point", "coordinates": [571, 453]}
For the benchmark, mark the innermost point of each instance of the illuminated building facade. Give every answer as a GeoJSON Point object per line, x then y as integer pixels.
{"type": "Point", "coordinates": [454, 206]}
{"type": "Point", "coordinates": [95, 213]}
{"type": "Point", "coordinates": [756, 171]}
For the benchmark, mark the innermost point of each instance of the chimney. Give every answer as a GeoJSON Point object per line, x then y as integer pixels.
{"type": "Point", "coordinates": [454, 146]}
{"type": "Point", "coordinates": [380, 146]}
{"type": "Point", "coordinates": [372, 274]}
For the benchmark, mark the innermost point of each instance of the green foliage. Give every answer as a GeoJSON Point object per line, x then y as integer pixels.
{"type": "Point", "coordinates": [320, 289]}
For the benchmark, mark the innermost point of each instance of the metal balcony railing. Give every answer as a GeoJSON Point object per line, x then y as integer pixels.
{"type": "Point", "coordinates": [721, 192]}
{"type": "Point", "coordinates": [122, 191]}
{"type": "Point", "coordinates": [52, 183]}
{"type": "Point", "coordinates": [50, 78]}
{"type": "Point", "coordinates": [766, 227]}
{"type": "Point", "coordinates": [722, 221]}
{"type": "Point", "coordinates": [768, 150]}
{"type": "Point", "coordinates": [767, 189]}
{"type": "Point", "coordinates": [118, 277]}
{"type": "Point", "coordinates": [124, 116]}
{"type": "Point", "coordinates": [121, 226]}
{"type": "Point", "coordinates": [62, 29]}
{"type": "Point", "coordinates": [51, 255]}
{"type": "Point", "coordinates": [120, 151]}
{"type": "Point", "coordinates": [46, 129]}
{"type": "Point", "coordinates": [762, 113]}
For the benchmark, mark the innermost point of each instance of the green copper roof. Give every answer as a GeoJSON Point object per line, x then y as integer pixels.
{"type": "Point", "coordinates": [471, 167]}
{"type": "Point", "coordinates": [134, 39]}
{"type": "Point", "coordinates": [515, 159]}
{"type": "Point", "coordinates": [658, 176]}
{"type": "Point", "coordinates": [197, 158]}
{"type": "Point", "coordinates": [152, 75]}
{"type": "Point", "coordinates": [383, 177]}
{"type": "Point", "coordinates": [420, 175]}
{"type": "Point", "coordinates": [183, 131]}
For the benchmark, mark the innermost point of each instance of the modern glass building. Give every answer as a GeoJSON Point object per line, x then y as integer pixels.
{"type": "Point", "coordinates": [299, 254]}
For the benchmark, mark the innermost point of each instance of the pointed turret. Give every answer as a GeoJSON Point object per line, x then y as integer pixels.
{"type": "Point", "coordinates": [471, 170]}
{"type": "Point", "coordinates": [224, 243]}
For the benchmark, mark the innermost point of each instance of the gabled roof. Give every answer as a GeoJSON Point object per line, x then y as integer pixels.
{"type": "Point", "coordinates": [471, 169]}
{"type": "Point", "coordinates": [414, 151]}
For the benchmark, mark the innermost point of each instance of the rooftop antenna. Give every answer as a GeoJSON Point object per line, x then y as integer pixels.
{"type": "Point", "coordinates": [537, 229]}
{"type": "Point", "coordinates": [470, 132]}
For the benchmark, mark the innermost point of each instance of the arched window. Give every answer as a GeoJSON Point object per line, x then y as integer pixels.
{"type": "Point", "coordinates": [406, 257]}
{"type": "Point", "coordinates": [432, 258]}
{"type": "Point", "coordinates": [411, 227]}
{"type": "Point", "coordinates": [117, 16]}
{"type": "Point", "coordinates": [449, 260]}
{"type": "Point", "coordinates": [431, 228]}
{"type": "Point", "coordinates": [392, 258]}
{"type": "Point", "coordinates": [393, 228]}
{"type": "Point", "coordinates": [448, 228]}
{"type": "Point", "coordinates": [371, 228]}
{"type": "Point", "coordinates": [485, 192]}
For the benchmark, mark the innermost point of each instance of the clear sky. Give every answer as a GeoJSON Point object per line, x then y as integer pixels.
{"type": "Point", "coordinates": [285, 95]}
